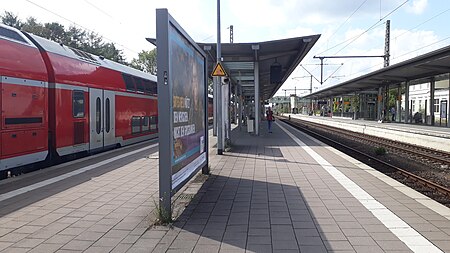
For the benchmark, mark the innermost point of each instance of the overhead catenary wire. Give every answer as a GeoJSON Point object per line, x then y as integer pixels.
{"type": "Point", "coordinates": [372, 27]}
{"type": "Point", "coordinates": [102, 11]}
{"type": "Point", "coordinates": [81, 26]}
{"type": "Point", "coordinates": [375, 25]}
{"type": "Point", "coordinates": [420, 48]}
{"type": "Point", "coordinates": [348, 18]}
{"type": "Point", "coordinates": [426, 21]}
{"type": "Point", "coordinates": [415, 50]}
{"type": "Point", "coordinates": [409, 52]}
{"type": "Point", "coordinates": [343, 23]}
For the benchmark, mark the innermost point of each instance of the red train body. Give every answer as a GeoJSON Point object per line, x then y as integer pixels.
{"type": "Point", "coordinates": [56, 101]}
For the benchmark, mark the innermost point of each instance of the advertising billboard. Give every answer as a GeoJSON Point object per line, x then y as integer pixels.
{"type": "Point", "coordinates": [187, 76]}
{"type": "Point", "coordinates": [182, 106]}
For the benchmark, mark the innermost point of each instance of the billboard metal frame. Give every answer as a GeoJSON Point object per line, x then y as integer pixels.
{"type": "Point", "coordinates": [164, 23]}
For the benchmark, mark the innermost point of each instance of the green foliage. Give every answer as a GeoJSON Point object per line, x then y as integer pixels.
{"type": "Point", "coordinates": [73, 37]}
{"type": "Point", "coordinates": [392, 100]}
{"type": "Point", "coordinates": [164, 217]}
{"type": "Point", "coordinates": [8, 18]}
{"type": "Point", "coordinates": [354, 101]}
{"type": "Point", "coordinates": [380, 151]}
{"type": "Point", "coordinates": [146, 61]}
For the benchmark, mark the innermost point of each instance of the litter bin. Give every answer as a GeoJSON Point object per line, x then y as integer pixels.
{"type": "Point", "coordinates": [250, 125]}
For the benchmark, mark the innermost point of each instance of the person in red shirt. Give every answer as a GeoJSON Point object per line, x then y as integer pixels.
{"type": "Point", "coordinates": [269, 118]}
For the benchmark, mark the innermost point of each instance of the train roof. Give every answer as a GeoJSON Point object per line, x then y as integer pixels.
{"type": "Point", "coordinates": [13, 34]}
{"type": "Point", "coordinates": [60, 49]}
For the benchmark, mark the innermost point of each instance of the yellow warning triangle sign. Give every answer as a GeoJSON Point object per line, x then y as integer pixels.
{"type": "Point", "coordinates": [219, 70]}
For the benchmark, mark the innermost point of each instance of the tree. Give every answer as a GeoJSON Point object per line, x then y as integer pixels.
{"type": "Point", "coordinates": [109, 51]}
{"type": "Point", "coordinates": [74, 37]}
{"type": "Point", "coordinates": [80, 39]}
{"type": "Point", "coordinates": [8, 18]}
{"type": "Point", "coordinates": [146, 61]}
{"type": "Point", "coordinates": [34, 27]}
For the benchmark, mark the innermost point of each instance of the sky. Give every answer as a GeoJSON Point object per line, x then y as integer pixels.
{"type": "Point", "coordinates": [347, 27]}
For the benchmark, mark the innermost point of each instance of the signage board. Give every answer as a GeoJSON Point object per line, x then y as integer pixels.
{"type": "Point", "coordinates": [182, 106]}
{"type": "Point", "coordinates": [219, 70]}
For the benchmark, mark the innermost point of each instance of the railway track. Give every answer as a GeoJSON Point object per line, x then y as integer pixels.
{"type": "Point", "coordinates": [433, 190]}
{"type": "Point", "coordinates": [427, 156]}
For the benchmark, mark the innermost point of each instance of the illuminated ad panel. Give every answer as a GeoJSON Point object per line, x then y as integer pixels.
{"type": "Point", "coordinates": [182, 104]}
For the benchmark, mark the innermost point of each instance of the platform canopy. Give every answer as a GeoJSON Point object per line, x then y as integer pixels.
{"type": "Point", "coordinates": [239, 58]}
{"type": "Point", "coordinates": [239, 61]}
{"type": "Point", "coordinates": [421, 67]}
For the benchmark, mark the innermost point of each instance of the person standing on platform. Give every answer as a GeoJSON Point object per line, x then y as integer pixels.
{"type": "Point", "coordinates": [269, 118]}
{"type": "Point", "coordinates": [393, 113]}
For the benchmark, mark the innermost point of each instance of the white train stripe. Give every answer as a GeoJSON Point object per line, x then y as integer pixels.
{"type": "Point", "coordinates": [134, 95]}
{"type": "Point", "coordinates": [415, 241]}
{"type": "Point", "coordinates": [69, 87]}
{"type": "Point", "coordinates": [35, 186]}
{"type": "Point", "coordinates": [21, 160]}
{"type": "Point", "coordinates": [24, 82]}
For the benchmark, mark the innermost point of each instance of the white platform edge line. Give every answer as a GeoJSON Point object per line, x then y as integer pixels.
{"type": "Point", "coordinates": [35, 186]}
{"type": "Point", "coordinates": [417, 196]}
{"type": "Point", "coordinates": [415, 241]}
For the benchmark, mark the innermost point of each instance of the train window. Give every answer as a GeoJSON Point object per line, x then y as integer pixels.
{"type": "Point", "coordinates": [129, 82]}
{"type": "Point", "coordinates": [107, 115]}
{"type": "Point", "coordinates": [145, 124]}
{"type": "Point", "coordinates": [135, 125]}
{"type": "Point", "coordinates": [10, 34]}
{"type": "Point", "coordinates": [153, 88]}
{"type": "Point", "coordinates": [153, 123]}
{"type": "Point", "coordinates": [98, 116]}
{"type": "Point", "coordinates": [78, 103]}
{"type": "Point", "coordinates": [150, 87]}
{"type": "Point", "coordinates": [147, 86]}
{"type": "Point", "coordinates": [139, 84]}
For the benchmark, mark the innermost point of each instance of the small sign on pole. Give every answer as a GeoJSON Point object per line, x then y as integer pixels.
{"type": "Point", "coordinates": [219, 70]}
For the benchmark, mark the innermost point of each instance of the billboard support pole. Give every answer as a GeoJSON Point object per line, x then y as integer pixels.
{"type": "Point", "coordinates": [165, 127]}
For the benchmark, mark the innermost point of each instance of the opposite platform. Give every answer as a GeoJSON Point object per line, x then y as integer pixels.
{"type": "Point", "coordinates": [422, 135]}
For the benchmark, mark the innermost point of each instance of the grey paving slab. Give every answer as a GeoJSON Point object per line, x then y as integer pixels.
{"type": "Point", "coordinates": [45, 248]}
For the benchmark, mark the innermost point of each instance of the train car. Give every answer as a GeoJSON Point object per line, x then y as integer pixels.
{"type": "Point", "coordinates": [210, 109]}
{"type": "Point", "coordinates": [23, 101]}
{"type": "Point", "coordinates": [58, 101]}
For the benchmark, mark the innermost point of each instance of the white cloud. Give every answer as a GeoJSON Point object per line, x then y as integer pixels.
{"type": "Point", "coordinates": [409, 44]}
{"type": "Point", "coordinates": [417, 6]}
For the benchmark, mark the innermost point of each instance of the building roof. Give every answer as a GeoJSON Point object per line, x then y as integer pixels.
{"type": "Point", "coordinates": [424, 66]}
{"type": "Point", "coordinates": [238, 60]}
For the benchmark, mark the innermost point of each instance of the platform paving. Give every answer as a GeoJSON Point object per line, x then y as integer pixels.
{"type": "Point", "coordinates": [268, 193]}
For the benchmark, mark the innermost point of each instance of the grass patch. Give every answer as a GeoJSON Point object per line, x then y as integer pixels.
{"type": "Point", "coordinates": [380, 151]}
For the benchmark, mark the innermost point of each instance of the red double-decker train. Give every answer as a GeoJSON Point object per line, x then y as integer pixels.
{"type": "Point", "coordinates": [58, 101]}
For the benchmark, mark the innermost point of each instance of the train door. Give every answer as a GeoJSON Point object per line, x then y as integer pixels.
{"type": "Point", "coordinates": [109, 136]}
{"type": "Point", "coordinates": [101, 118]}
